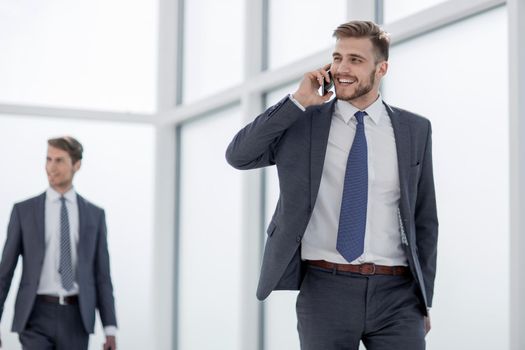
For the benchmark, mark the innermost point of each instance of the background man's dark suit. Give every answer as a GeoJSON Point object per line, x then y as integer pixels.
{"type": "Point", "coordinates": [25, 237]}
{"type": "Point", "coordinates": [296, 141]}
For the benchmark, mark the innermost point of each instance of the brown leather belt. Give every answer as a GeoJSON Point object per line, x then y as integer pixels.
{"type": "Point", "coordinates": [51, 299]}
{"type": "Point", "coordinates": [367, 269]}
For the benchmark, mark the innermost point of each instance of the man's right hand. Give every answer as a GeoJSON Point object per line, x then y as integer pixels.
{"type": "Point", "coordinates": [308, 92]}
{"type": "Point", "coordinates": [110, 344]}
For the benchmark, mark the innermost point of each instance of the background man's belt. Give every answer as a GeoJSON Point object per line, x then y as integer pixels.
{"type": "Point", "coordinates": [69, 300]}
{"type": "Point", "coordinates": [363, 269]}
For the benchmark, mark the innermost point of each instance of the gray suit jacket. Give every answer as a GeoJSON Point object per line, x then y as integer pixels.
{"type": "Point", "coordinates": [296, 141]}
{"type": "Point", "coordinates": [26, 237]}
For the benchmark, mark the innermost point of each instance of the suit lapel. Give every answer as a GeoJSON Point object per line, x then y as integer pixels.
{"type": "Point", "coordinates": [403, 144]}
{"type": "Point", "coordinates": [40, 219]}
{"type": "Point", "coordinates": [402, 136]}
{"type": "Point", "coordinates": [82, 228]}
{"type": "Point", "coordinates": [319, 132]}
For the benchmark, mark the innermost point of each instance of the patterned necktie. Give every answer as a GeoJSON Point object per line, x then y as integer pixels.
{"type": "Point", "coordinates": [65, 266]}
{"type": "Point", "coordinates": [352, 219]}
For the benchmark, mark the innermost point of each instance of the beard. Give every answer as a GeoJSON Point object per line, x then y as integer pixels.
{"type": "Point", "coordinates": [360, 90]}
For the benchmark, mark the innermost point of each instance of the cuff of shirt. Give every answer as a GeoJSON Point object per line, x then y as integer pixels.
{"type": "Point", "coordinates": [110, 330]}
{"type": "Point", "coordinates": [296, 103]}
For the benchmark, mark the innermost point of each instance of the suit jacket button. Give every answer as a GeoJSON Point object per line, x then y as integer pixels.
{"type": "Point", "coordinates": [298, 239]}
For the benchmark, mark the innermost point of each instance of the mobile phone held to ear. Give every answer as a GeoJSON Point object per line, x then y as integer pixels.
{"type": "Point", "coordinates": [327, 86]}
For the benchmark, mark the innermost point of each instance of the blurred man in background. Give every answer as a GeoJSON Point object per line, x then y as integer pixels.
{"type": "Point", "coordinates": [65, 261]}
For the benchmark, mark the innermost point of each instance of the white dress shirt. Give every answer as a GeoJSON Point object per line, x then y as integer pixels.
{"type": "Point", "coordinates": [382, 244]}
{"type": "Point", "coordinates": [50, 282]}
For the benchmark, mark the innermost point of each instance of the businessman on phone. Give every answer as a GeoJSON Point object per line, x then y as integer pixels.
{"type": "Point", "coordinates": [355, 228]}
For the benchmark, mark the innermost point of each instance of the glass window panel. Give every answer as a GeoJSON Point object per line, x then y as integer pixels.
{"type": "Point", "coordinates": [299, 28]}
{"type": "Point", "coordinates": [79, 54]}
{"type": "Point", "coordinates": [210, 236]}
{"type": "Point", "coordinates": [118, 164]}
{"type": "Point", "coordinates": [213, 47]}
{"type": "Point", "coordinates": [465, 95]}
{"type": "Point", "coordinates": [397, 9]}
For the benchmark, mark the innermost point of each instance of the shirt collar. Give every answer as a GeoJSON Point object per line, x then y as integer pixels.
{"type": "Point", "coordinates": [346, 110]}
{"type": "Point", "coordinates": [53, 195]}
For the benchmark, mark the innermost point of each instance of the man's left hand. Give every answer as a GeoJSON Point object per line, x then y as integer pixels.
{"type": "Point", "coordinates": [111, 343]}
{"type": "Point", "coordinates": [427, 324]}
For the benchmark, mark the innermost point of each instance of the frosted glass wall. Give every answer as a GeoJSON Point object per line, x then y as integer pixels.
{"type": "Point", "coordinates": [98, 54]}
{"type": "Point", "coordinates": [292, 21]}
{"type": "Point", "coordinates": [209, 251]}
{"type": "Point", "coordinates": [213, 47]}
{"type": "Point", "coordinates": [397, 9]}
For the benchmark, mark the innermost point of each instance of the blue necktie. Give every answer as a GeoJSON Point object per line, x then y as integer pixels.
{"type": "Point", "coordinates": [65, 265]}
{"type": "Point", "coordinates": [352, 219]}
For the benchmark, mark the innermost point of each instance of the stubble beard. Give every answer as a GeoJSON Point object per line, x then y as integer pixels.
{"type": "Point", "coordinates": [361, 89]}
{"type": "Point", "coordinates": [61, 183]}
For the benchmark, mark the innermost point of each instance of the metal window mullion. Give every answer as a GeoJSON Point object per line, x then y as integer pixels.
{"type": "Point", "coordinates": [379, 17]}
{"type": "Point", "coordinates": [168, 54]}
{"type": "Point", "coordinates": [169, 58]}
{"type": "Point", "coordinates": [251, 327]}
{"type": "Point", "coordinates": [516, 16]}
{"type": "Point", "coordinates": [73, 113]}
{"type": "Point", "coordinates": [165, 240]}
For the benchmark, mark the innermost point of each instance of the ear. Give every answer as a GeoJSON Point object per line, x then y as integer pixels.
{"type": "Point", "coordinates": [77, 165]}
{"type": "Point", "coordinates": [383, 68]}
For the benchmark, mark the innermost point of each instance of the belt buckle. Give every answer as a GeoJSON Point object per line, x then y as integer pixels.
{"type": "Point", "coordinates": [61, 300]}
{"type": "Point", "coordinates": [364, 269]}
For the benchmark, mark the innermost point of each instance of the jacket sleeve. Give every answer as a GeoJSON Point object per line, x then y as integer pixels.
{"type": "Point", "coordinates": [426, 220]}
{"type": "Point", "coordinates": [105, 299]}
{"type": "Point", "coordinates": [12, 249]}
{"type": "Point", "coordinates": [255, 145]}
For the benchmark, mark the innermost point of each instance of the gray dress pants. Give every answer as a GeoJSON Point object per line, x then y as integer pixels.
{"type": "Point", "coordinates": [337, 310]}
{"type": "Point", "coordinates": [54, 327]}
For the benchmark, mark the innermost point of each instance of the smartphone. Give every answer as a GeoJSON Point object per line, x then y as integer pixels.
{"type": "Point", "coordinates": [327, 86]}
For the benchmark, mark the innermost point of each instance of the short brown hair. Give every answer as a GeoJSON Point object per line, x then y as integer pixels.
{"type": "Point", "coordinates": [366, 29]}
{"type": "Point", "coordinates": [68, 144]}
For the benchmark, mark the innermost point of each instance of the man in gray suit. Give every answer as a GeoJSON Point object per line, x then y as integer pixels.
{"type": "Point", "coordinates": [355, 228]}
{"type": "Point", "coordinates": [66, 276]}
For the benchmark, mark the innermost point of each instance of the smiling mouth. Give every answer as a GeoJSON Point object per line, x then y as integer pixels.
{"type": "Point", "coordinates": [345, 81]}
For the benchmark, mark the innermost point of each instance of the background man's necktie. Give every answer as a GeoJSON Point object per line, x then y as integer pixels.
{"type": "Point", "coordinates": [65, 266]}
{"type": "Point", "coordinates": [352, 219]}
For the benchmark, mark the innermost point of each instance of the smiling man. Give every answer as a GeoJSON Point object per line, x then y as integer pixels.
{"type": "Point", "coordinates": [355, 228]}
{"type": "Point", "coordinates": [66, 276]}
